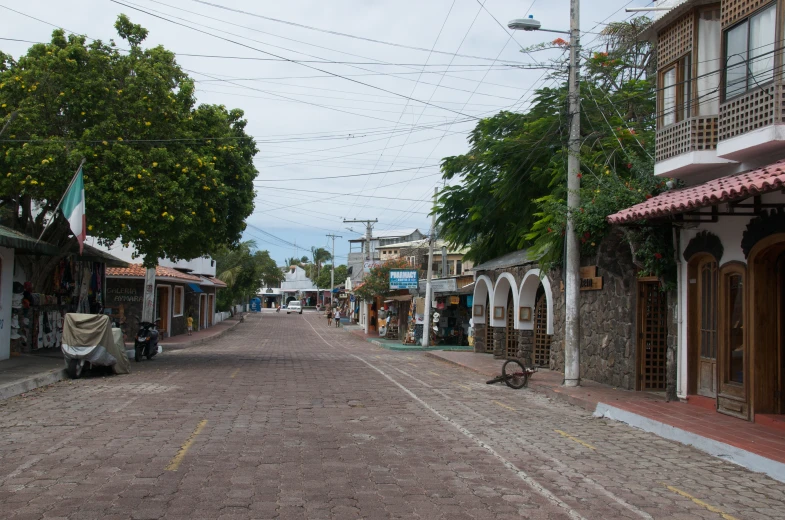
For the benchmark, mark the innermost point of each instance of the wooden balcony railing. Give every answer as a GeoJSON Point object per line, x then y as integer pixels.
{"type": "Point", "coordinates": [691, 135]}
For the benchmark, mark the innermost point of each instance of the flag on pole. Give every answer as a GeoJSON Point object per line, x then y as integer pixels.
{"type": "Point", "coordinates": [73, 208]}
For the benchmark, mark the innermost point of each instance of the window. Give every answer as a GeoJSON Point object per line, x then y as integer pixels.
{"type": "Point", "coordinates": [179, 301]}
{"type": "Point", "coordinates": [459, 267]}
{"type": "Point", "coordinates": [675, 93]}
{"type": "Point", "coordinates": [749, 53]}
{"type": "Point", "coordinates": [708, 75]}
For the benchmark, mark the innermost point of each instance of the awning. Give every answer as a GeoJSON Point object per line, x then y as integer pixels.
{"type": "Point", "coordinates": [93, 254]}
{"type": "Point", "coordinates": [195, 287]}
{"type": "Point", "coordinates": [402, 298]}
{"type": "Point", "coordinates": [24, 243]}
{"type": "Point", "coordinates": [725, 189]}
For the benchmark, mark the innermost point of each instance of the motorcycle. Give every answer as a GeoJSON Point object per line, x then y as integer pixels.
{"type": "Point", "coordinates": [146, 341]}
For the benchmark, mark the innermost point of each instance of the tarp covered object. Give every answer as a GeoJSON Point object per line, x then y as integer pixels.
{"type": "Point", "coordinates": [89, 337]}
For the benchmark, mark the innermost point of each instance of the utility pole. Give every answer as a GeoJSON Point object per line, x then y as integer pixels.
{"type": "Point", "coordinates": [572, 260]}
{"type": "Point", "coordinates": [368, 234]}
{"type": "Point", "coordinates": [332, 271]}
{"type": "Point", "coordinates": [572, 317]}
{"type": "Point", "coordinates": [426, 328]}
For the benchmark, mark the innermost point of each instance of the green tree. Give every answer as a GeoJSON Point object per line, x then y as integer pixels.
{"type": "Point", "coordinates": [319, 256]}
{"type": "Point", "coordinates": [513, 188]}
{"type": "Point", "coordinates": [171, 178]}
{"type": "Point", "coordinates": [244, 269]}
{"type": "Point", "coordinates": [323, 281]}
{"type": "Point", "coordinates": [377, 282]}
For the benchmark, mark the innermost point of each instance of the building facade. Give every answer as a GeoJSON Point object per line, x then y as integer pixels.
{"type": "Point", "coordinates": [416, 253]}
{"type": "Point", "coordinates": [721, 134]}
{"type": "Point", "coordinates": [361, 257]}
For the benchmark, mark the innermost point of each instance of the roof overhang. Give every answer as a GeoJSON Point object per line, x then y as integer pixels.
{"type": "Point", "coordinates": [22, 243]}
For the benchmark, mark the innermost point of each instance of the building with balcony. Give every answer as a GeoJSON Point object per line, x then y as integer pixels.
{"type": "Point", "coordinates": [721, 132]}
{"type": "Point", "coordinates": [416, 253]}
{"type": "Point", "coordinates": [361, 258]}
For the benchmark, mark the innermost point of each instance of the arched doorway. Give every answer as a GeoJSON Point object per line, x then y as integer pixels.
{"type": "Point", "coordinates": [542, 340]}
{"type": "Point", "coordinates": [511, 335]}
{"type": "Point", "coordinates": [766, 334]}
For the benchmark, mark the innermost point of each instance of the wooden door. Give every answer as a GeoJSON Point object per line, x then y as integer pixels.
{"type": "Point", "coordinates": [707, 323]}
{"type": "Point", "coordinates": [210, 309]}
{"type": "Point", "coordinates": [652, 336]}
{"type": "Point", "coordinates": [163, 310]}
{"type": "Point", "coordinates": [542, 340]}
{"type": "Point", "coordinates": [488, 329]}
{"type": "Point", "coordinates": [511, 342]}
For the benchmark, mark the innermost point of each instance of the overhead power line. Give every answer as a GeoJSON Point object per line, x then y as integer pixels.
{"type": "Point", "coordinates": [340, 176]}
{"type": "Point", "coordinates": [336, 33]}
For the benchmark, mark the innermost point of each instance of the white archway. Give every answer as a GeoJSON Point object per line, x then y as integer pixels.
{"type": "Point", "coordinates": [504, 284]}
{"type": "Point", "coordinates": [528, 294]}
{"type": "Point", "coordinates": [483, 295]}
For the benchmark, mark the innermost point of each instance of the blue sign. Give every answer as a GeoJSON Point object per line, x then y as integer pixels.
{"type": "Point", "coordinates": [404, 279]}
{"type": "Point", "coordinates": [256, 305]}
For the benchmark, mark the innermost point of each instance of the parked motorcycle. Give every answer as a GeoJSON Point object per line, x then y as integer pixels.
{"type": "Point", "coordinates": [146, 341]}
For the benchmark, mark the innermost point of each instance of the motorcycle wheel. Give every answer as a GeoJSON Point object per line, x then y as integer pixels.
{"type": "Point", "coordinates": [149, 354]}
{"type": "Point", "coordinates": [74, 368]}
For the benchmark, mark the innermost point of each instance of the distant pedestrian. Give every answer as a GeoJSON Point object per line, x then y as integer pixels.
{"type": "Point", "coordinates": [329, 317]}
{"type": "Point", "coordinates": [337, 318]}
{"type": "Point", "coordinates": [190, 322]}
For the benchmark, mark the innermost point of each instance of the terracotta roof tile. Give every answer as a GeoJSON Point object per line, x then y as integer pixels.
{"type": "Point", "coordinates": [216, 281]}
{"type": "Point", "coordinates": [730, 188]}
{"type": "Point", "coordinates": [160, 272]}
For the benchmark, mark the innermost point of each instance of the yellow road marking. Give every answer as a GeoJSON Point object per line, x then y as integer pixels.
{"type": "Point", "coordinates": [576, 439]}
{"type": "Point", "coordinates": [434, 373]}
{"type": "Point", "coordinates": [505, 406]}
{"type": "Point", "coordinates": [701, 503]}
{"type": "Point", "coordinates": [234, 373]}
{"type": "Point", "coordinates": [464, 386]}
{"type": "Point", "coordinates": [178, 459]}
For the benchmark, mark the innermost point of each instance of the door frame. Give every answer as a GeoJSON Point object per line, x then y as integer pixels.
{"type": "Point", "coordinates": [733, 398]}
{"type": "Point", "coordinates": [758, 287]}
{"type": "Point", "coordinates": [694, 310]}
{"type": "Point", "coordinates": [202, 311]}
{"type": "Point", "coordinates": [168, 320]}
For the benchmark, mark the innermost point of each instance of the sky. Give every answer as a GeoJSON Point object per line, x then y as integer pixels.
{"type": "Point", "coordinates": [353, 103]}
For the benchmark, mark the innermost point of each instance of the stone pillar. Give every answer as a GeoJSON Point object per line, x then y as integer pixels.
{"type": "Point", "coordinates": [499, 346]}
{"type": "Point", "coordinates": [526, 347]}
{"type": "Point", "coordinates": [479, 337]}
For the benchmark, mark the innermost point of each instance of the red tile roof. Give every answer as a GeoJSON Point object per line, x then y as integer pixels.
{"type": "Point", "coordinates": [137, 270]}
{"type": "Point", "coordinates": [730, 188]}
{"type": "Point", "coordinates": [216, 281]}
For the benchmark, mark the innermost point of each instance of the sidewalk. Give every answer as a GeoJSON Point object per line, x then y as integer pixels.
{"type": "Point", "coordinates": [756, 446]}
{"type": "Point", "coordinates": [184, 340]}
{"type": "Point", "coordinates": [397, 345]}
{"type": "Point", "coordinates": [23, 373]}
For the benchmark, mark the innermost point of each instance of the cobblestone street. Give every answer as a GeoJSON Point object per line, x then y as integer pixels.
{"type": "Point", "coordinates": [284, 417]}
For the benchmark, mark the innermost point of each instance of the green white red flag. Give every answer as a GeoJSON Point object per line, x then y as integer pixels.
{"type": "Point", "coordinates": [73, 208]}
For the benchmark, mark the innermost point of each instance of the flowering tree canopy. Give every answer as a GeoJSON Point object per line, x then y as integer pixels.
{"type": "Point", "coordinates": [173, 179]}
{"type": "Point", "coordinates": [377, 282]}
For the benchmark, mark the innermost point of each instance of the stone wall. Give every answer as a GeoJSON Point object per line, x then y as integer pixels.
{"type": "Point", "coordinates": [499, 347]}
{"type": "Point", "coordinates": [607, 318]}
{"type": "Point", "coordinates": [479, 337]}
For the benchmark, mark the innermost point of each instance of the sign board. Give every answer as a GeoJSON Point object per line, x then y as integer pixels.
{"type": "Point", "coordinates": [455, 300]}
{"type": "Point", "coordinates": [440, 285]}
{"type": "Point", "coordinates": [589, 279]}
{"type": "Point", "coordinates": [403, 279]}
{"type": "Point", "coordinates": [256, 305]}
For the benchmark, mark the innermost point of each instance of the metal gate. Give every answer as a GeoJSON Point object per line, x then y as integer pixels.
{"type": "Point", "coordinates": [512, 334]}
{"type": "Point", "coordinates": [488, 329]}
{"type": "Point", "coordinates": [652, 335]}
{"type": "Point", "coordinates": [542, 340]}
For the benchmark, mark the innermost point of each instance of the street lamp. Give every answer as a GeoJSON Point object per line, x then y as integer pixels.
{"type": "Point", "coordinates": [530, 24]}
{"type": "Point", "coordinates": [572, 365]}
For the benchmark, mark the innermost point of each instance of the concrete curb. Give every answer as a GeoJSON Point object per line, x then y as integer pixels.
{"type": "Point", "coordinates": [744, 458]}
{"type": "Point", "coordinates": [181, 346]}
{"type": "Point", "coordinates": [31, 383]}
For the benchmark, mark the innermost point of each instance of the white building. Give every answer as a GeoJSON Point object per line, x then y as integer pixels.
{"type": "Point", "coordinates": [359, 261]}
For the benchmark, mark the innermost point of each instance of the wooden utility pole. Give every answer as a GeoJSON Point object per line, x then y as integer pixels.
{"type": "Point", "coordinates": [426, 329]}
{"type": "Point", "coordinates": [332, 271]}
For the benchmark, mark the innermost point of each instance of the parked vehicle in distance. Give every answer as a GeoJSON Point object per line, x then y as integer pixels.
{"type": "Point", "coordinates": [294, 307]}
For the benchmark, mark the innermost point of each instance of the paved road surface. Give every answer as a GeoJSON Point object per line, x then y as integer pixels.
{"type": "Point", "coordinates": [285, 418]}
